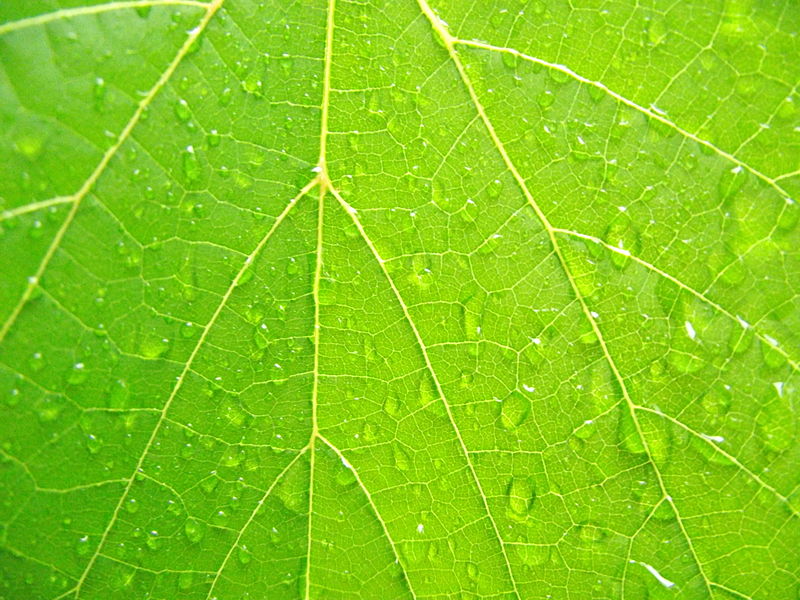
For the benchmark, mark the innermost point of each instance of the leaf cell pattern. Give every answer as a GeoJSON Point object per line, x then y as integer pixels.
{"type": "Point", "coordinates": [354, 299]}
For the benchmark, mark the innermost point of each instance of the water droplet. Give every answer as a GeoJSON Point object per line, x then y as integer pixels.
{"type": "Point", "coordinates": [118, 394]}
{"type": "Point", "coordinates": [77, 374]}
{"type": "Point", "coordinates": [252, 84]}
{"type": "Point", "coordinates": [83, 546]}
{"type": "Point", "coordinates": [514, 410]}
{"type": "Point", "coordinates": [622, 235]}
{"type": "Point", "coordinates": [427, 393]}
{"type": "Point", "coordinates": [533, 556]}
{"type": "Point", "coordinates": [521, 495]}
{"type": "Point", "coordinates": [188, 330]}
{"type": "Point", "coordinates": [36, 362]}
{"type": "Point", "coordinates": [401, 458]}
{"type": "Point", "coordinates": [472, 312]}
{"type": "Point", "coordinates": [194, 529]}
{"type": "Point", "coordinates": [731, 181]}
{"type": "Point", "coordinates": [29, 144]}
{"type": "Point", "coordinates": [392, 406]}
{"type": "Point", "coordinates": [494, 188]}
{"type": "Point", "coordinates": [628, 433]}
{"type": "Point", "coordinates": [446, 199]}
{"type": "Point", "coordinates": [244, 555]}
{"type": "Point", "coordinates": [226, 96]}
{"type": "Point", "coordinates": [586, 430]}
{"type": "Point", "coordinates": [772, 358]}
{"type": "Point", "coordinates": [656, 31]}
{"type": "Point", "coordinates": [591, 532]}
{"type": "Point", "coordinates": [777, 431]}
{"type": "Point", "coordinates": [152, 346]}
{"type": "Point", "coordinates": [99, 94]}
{"type": "Point", "coordinates": [182, 110]}
{"type": "Point", "coordinates": [191, 165]}
{"type": "Point", "coordinates": [93, 443]}
{"type": "Point", "coordinates": [716, 402]}
{"type": "Point", "coordinates": [131, 506]}
{"type": "Point", "coordinates": [185, 579]}
{"type": "Point", "coordinates": [152, 541]}
{"type": "Point", "coordinates": [213, 139]}
{"type": "Point", "coordinates": [345, 476]}
{"type": "Point", "coordinates": [546, 98]}
{"type": "Point", "coordinates": [327, 293]}
{"type": "Point", "coordinates": [790, 215]}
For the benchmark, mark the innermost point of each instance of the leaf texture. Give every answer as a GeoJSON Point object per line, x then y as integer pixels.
{"type": "Point", "coordinates": [418, 299]}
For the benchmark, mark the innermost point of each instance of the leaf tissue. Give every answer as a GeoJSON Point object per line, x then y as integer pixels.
{"type": "Point", "coordinates": [420, 299]}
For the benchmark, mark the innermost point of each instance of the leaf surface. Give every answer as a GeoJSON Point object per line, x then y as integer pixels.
{"type": "Point", "coordinates": [399, 300]}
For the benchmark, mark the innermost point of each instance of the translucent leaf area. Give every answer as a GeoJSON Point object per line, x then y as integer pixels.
{"type": "Point", "coordinates": [409, 299]}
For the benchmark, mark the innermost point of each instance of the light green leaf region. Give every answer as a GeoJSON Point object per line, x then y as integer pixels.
{"type": "Point", "coordinates": [414, 299]}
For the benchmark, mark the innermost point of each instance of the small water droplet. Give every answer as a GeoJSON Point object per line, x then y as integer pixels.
{"type": "Point", "coordinates": [99, 93]}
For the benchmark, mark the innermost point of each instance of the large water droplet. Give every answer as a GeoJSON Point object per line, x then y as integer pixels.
{"type": "Point", "coordinates": [521, 495]}
{"type": "Point", "coordinates": [191, 165]}
{"type": "Point", "coordinates": [514, 410]}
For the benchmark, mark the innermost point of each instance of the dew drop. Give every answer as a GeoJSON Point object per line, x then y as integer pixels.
{"type": "Point", "coordinates": [401, 458]}
{"type": "Point", "coordinates": [194, 529]}
{"type": "Point", "coordinates": [494, 188]}
{"type": "Point", "coordinates": [191, 165]}
{"type": "Point", "coordinates": [36, 362]}
{"type": "Point", "coordinates": [392, 406]}
{"type": "Point", "coordinates": [521, 495]}
{"type": "Point", "coordinates": [152, 541]}
{"type": "Point", "coordinates": [730, 182]}
{"type": "Point", "coordinates": [152, 346]}
{"type": "Point", "coordinates": [226, 96]}
{"type": "Point", "coordinates": [185, 579]}
{"type": "Point", "coordinates": [244, 555]}
{"type": "Point", "coordinates": [514, 410]}
{"type": "Point", "coordinates": [77, 374]}
{"type": "Point", "coordinates": [82, 547]}
{"type": "Point", "coordinates": [586, 430]}
{"type": "Point", "coordinates": [591, 532]}
{"type": "Point", "coordinates": [213, 139]}
{"type": "Point", "coordinates": [182, 111]}
{"type": "Point", "coordinates": [99, 93]}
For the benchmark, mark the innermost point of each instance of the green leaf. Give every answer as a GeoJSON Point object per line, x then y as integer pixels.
{"type": "Point", "coordinates": [399, 299]}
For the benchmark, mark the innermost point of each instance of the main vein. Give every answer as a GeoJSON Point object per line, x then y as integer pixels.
{"type": "Point", "coordinates": [324, 183]}
{"type": "Point", "coordinates": [648, 112]}
{"type": "Point", "coordinates": [182, 377]}
{"type": "Point", "coordinates": [78, 197]}
{"type": "Point", "coordinates": [449, 43]}
{"type": "Point", "coordinates": [439, 390]}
